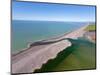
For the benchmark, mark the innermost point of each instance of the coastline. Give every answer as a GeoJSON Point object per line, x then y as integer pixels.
{"type": "Point", "coordinates": [55, 38]}
{"type": "Point", "coordinates": [62, 44]}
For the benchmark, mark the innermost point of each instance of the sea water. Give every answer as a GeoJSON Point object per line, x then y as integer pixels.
{"type": "Point", "coordinates": [24, 32]}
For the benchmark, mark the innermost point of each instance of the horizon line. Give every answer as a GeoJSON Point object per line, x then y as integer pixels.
{"type": "Point", "coordinates": [53, 20]}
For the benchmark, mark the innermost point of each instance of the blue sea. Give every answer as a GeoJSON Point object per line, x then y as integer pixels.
{"type": "Point", "coordinates": [24, 32]}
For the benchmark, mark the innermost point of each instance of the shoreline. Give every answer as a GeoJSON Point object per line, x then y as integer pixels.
{"type": "Point", "coordinates": [41, 52]}
{"type": "Point", "coordinates": [55, 38]}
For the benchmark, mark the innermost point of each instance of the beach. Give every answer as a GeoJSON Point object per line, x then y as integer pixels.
{"type": "Point", "coordinates": [37, 55]}
{"type": "Point", "coordinates": [27, 32]}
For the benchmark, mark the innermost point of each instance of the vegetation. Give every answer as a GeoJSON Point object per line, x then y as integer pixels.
{"type": "Point", "coordinates": [91, 28]}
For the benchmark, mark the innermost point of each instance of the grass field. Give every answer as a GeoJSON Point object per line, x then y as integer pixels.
{"type": "Point", "coordinates": [91, 28]}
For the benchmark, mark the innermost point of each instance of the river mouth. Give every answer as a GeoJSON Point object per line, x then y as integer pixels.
{"type": "Point", "coordinates": [80, 56]}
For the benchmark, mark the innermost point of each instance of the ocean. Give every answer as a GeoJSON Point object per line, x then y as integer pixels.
{"type": "Point", "coordinates": [24, 32]}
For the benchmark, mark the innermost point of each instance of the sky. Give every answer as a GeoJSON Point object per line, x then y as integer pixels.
{"type": "Point", "coordinates": [52, 12]}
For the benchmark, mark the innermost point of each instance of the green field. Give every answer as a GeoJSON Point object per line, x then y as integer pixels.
{"type": "Point", "coordinates": [91, 28]}
{"type": "Point", "coordinates": [81, 55]}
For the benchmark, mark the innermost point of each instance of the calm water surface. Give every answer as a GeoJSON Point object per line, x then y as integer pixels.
{"type": "Point", "coordinates": [24, 32]}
